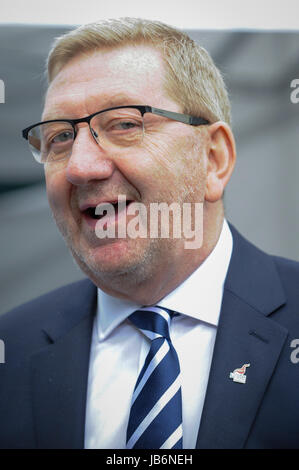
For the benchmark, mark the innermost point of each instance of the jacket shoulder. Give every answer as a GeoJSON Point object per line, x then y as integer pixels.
{"type": "Point", "coordinates": [264, 281]}
{"type": "Point", "coordinates": [287, 267]}
{"type": "Point", "coordinates": [288, 271]}
{"type": "Point", "coordinates": [33, 313]}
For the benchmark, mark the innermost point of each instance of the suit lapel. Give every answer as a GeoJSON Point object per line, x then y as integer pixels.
{"type": "Point", "coordinates": [245, 335]}
{"type": "Point", "coordinates": [60, 373]}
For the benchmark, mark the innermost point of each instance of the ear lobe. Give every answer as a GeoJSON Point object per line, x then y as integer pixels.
{"type": "Point", "coordinates": [221, 160]}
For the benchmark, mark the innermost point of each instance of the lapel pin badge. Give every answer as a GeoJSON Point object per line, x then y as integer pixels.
{"type": "Point", "coordinates": [238, 375]}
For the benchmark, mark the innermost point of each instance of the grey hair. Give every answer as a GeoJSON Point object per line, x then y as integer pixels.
{"type": "Point", "coordinates": [192, 79]}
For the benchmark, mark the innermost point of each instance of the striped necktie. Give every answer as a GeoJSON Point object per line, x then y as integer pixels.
{"type": "Point", "coordinates": [155, 420]}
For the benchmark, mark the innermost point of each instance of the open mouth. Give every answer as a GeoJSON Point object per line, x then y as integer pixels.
{"type": "Point", "coordinates": [112, 208]}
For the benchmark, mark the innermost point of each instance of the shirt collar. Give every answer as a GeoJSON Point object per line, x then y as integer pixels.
{"type": "Point", "coordinates": [199, 296]}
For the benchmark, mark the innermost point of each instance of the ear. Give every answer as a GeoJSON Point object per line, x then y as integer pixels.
{"type": "Point", "coordinates": [221, 160]}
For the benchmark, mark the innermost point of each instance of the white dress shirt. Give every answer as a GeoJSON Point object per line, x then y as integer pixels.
{"type": "Point", "coordinates": [118, 351]}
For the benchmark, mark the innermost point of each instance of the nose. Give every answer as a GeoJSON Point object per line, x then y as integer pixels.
{"type": "Point", "coordinates": [88, 160]}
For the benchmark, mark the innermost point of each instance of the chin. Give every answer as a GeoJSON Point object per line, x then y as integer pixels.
{"type": "Point", "coordinates": [115, 261]}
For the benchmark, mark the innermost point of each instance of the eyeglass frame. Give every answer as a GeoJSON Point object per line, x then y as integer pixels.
{"type": "Point", "coordinates": [184, 118]}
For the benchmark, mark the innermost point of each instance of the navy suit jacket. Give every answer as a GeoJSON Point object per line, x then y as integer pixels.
{"type": "Point", "coordinates": [43, 382]}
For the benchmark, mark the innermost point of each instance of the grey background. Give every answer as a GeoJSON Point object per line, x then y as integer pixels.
{"type": "Point", "coordinates": [261, 199]}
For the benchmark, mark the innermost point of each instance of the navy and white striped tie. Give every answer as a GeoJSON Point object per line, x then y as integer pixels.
{"type": "Point", "coordinates": [156, 410]}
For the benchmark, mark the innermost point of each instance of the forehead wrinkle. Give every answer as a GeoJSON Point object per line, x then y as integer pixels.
{"type": "Point", "coordinates": [56, 108]}
{"type": "Point", "coordinates": [62, 99]}
{"type": "Point", "coordinates": [94, 102]}
{"type": "Point", "coordinates": [99, 101]}
{"type": "Point", "coordinates": [128, 77]}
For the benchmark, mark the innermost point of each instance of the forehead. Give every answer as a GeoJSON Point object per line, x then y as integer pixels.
{"type": "Point", "coordinates": [128, 75]}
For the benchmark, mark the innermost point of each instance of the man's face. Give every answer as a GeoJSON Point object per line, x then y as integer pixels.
{"type": "Point", "coordinates": [169, 165]}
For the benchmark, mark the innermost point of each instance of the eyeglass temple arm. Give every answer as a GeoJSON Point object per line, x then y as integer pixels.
{"type": "Point", "coordinates": [186, 118]}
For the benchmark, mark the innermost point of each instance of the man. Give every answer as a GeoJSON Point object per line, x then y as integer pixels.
{"type": "Point", "coordinates": [135, 111]}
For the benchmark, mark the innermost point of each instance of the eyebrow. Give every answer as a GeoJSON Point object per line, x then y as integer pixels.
{"type": "Point", "coordinates": [108, 101]}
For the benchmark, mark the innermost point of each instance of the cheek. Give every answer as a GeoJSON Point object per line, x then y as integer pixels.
{"type": "Point", "coordinates": [57, 190]}
{"type": "Point", "coordinates": [179, 166]}
{"type": "Point", "coordinates": [157, 159]}
{"type": "Point", "coordinates": [166, 168]}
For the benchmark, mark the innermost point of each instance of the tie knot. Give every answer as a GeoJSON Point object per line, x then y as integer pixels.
{"type": "Point", "coordinates": [152, 321]}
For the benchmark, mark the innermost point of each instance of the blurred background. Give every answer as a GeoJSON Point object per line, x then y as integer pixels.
{"type": "Point", "coordinates": [258, 65]}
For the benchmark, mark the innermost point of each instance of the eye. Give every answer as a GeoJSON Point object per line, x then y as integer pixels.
{"type": "Point", "coordinates": [62, 137]}
{"type": "Point", "coordinates": [123, 125]}
{"type": "Point", "coordinates": [57, 144]}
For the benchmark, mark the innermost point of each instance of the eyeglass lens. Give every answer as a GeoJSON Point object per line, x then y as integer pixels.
{"type": "Point", "coordinates": [53, 141]}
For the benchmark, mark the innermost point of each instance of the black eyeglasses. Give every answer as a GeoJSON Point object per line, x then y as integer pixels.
{"type": "Point", "coordinates": [121, 126]}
